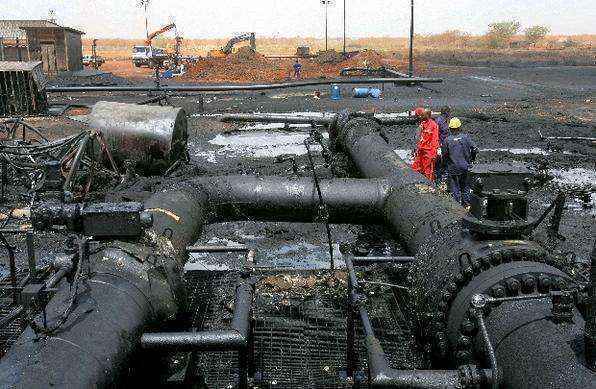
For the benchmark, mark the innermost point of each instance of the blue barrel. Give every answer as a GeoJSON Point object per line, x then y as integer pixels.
{"type": "Point", "coordinates": [365, 92]}
{"type": "Point", "coordinates": [361, 93]}
{"type": "Point", "coordinates": [335, 92]}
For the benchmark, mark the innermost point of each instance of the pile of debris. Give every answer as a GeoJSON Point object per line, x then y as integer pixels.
{"type": "Point", "coordinates": [247, 66]}
{"type": "Point", "coordinates": [88, 78]}
{"type": "Point", "coordinates": [329, 56]}
{"type": "Point", "coordinates": [245, 54]}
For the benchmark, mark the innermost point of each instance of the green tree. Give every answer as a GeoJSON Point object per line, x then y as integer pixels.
{"type": "Point", "coordinates": [535, 34]}
{"type": "Point", "coordinates": [499, 34]}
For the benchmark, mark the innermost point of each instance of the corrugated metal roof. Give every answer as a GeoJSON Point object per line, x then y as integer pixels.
{"type": "Point", "coordinates": [18, 65]}
{"type": "Point", "coordinates": [15, 28]}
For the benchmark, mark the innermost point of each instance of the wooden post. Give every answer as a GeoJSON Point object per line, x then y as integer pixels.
{"type": "Point", "coordinates": [66, 51]}
{"type": "Point", "coordinates": [18, 46]}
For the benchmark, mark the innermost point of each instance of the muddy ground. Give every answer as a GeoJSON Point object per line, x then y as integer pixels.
{"type": "Point", "coordinates": [504, 109]}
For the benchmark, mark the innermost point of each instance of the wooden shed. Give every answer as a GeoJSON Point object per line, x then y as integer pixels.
{"type": "Point", "coordinates": [59, 48]}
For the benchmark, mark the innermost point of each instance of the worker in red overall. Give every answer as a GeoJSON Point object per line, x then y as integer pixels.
{"type": "Point", "coordinates": [428, 146]}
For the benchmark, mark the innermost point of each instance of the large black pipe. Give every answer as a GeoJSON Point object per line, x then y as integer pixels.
{"type": "Point", "coordinates": [449, 259]}
{"type": "Point", "coordinates": [133, 288]}
{"type": "Point", "coordinates": [590, 337]}
{"type": "Point", "coordinates": [113, 307]}
{"type": "Point", "coordinates": [250, 87]}
{"type": "Point", "coordinates": [292, 200]}
{"type": "Point", "coordinates": [278, 118]}
{"type": "Point", "coordinates": [125, 289]}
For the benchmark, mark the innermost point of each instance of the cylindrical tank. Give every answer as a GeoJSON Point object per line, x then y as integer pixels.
{"type": "Point", "coordinates": [149, 136]}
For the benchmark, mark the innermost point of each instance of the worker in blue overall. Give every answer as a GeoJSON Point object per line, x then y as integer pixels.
{"type": "Point", "coordinates": [297, 70]}
{"type": "Point", "coordinates": [443, 122]}
{"type": "Point", "coordinates": [459, 151]}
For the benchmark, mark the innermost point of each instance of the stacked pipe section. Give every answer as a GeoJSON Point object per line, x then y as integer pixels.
{"type": "Point", "coordinates": [452, 266]}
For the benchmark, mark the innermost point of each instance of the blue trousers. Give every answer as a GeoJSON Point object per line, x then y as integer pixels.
{"type": "Point", "coordinates": [460, 190]}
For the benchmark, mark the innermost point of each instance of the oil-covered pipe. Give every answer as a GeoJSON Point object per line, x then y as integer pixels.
{"type": "Point", "coordinates": [250, 87]}
{"type": "Point", "coordinates": [283, 199]}
{"type": "Point", "coordinates": [278, 118]}
{"type": "Point", "coordinates": [233, 339]}
{"type": "Point", "coordinates": [451, 265]}
{"type": "Point", "coordinates": [590, 337]}
{"type": "Point", "coordinates": [129, 289]}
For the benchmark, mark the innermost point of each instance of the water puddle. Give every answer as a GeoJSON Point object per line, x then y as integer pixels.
{"type": "Point", "coordinates": [300, 255]}
{"type": "Point", "coordinates": [498, 81]}
{"type": "Point", "coordinates": [579, 180]}
{"type": "Point", "coordinates": [576, 177]}
{"type": "Point", "coordinates": [406, 155]}
{"type": "Point", "coordinates": [260, 142]}
{"type": "Point", "coordinates": [533, 150]}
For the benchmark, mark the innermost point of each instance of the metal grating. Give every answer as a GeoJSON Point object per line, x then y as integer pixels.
{"type": "Point", "coordinates": [211, 304]}
{"type": "Point", "coordinates": [299, 329]}
{"type": "Point", "coordinates": [9, 333]}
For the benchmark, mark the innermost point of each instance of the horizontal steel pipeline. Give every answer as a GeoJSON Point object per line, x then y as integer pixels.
{"type": "Point", "coordinates": [249, 87]}
{"type": "Point", "coordinates": [292, 200]}
{"type": "Point", "coordinates": [330, 119]}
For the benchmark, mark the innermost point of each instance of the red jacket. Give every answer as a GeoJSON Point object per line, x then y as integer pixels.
{"type": "Point", "coordinates": [429, 138]}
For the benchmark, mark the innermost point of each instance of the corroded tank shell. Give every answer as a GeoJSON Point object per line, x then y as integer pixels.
{"type": "Point", "coordinates": [151, 137]}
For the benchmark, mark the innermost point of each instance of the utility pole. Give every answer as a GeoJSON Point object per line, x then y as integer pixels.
{"type": "Point", "coordinates": [326, 4]}
{"type": "Point", "coordinates": [326, 29]}
{"type": "Point", "coordinates": [411, 59]}
{"type": "Point", "coordinates": [144, 4]}
{"type": "Point", "coordinates": [344, 28]}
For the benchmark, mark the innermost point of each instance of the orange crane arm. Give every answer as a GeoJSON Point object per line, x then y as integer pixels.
{"type": "Point", "coordinates": [159, 32]}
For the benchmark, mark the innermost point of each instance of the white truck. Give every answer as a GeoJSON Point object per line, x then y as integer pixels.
{"type": "Point", "coordinates": [148, 56]}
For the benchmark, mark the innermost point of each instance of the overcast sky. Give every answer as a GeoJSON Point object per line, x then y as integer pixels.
{"type": "Point", "coordinates": [288, 18]}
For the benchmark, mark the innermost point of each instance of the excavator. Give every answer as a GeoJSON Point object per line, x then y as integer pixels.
{"type": "Point", "coordinates": [227, 49]}
{"type": "Point", "coordinates": [147, 55]}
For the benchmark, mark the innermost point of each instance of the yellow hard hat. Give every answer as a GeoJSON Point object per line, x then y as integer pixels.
{"type": "Point", "coordinates": [455, 123]}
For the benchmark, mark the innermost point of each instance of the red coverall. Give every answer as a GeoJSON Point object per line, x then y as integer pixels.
{"type": "Point", "coordinates": [426, 150]}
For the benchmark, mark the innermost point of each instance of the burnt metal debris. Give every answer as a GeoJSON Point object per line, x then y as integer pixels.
{"type": "Point", "coordinates": [490, 309]}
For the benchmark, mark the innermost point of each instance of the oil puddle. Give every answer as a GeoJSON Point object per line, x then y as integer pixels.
{"type": "Point", "coordinates": [289, 255]}
{"type": "Point", "coordinates": [300, 255]}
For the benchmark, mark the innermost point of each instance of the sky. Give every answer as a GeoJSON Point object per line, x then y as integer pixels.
{"type": "Point", "coordinates": [304, 18]}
